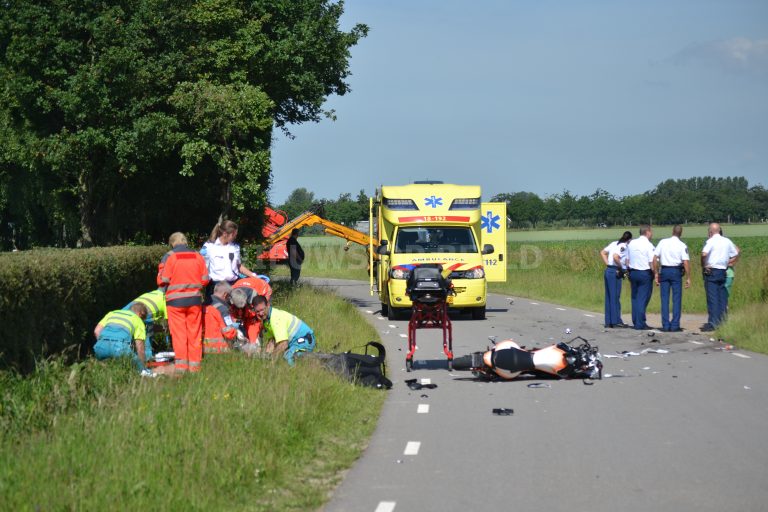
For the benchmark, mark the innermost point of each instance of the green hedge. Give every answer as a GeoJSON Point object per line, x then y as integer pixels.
{"type": "Point", "coordinates": [51, 299]}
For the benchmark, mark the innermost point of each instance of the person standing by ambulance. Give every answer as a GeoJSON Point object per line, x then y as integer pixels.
{"type": "Point", "coordinates": [184, 277]}
{"type": "Point", "coordinates": [222, 256]}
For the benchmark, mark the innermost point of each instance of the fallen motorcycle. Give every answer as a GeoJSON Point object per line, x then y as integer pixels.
{"type": "Point", "coordinates": [507, 360]}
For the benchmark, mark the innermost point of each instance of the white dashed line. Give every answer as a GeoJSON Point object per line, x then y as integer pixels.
{"type": "Point", "coordinates": [412, 448]}
{"type": "Point", "coordinates": [534, 303]}
{"type": "Point", "coordinates": [561, 309]}
{"type": "Point", "coordinates": [696, 342]}
{"type": "Point", "coordinates": [743, 356]}
{"type": "Point", "coordinates": [403, 335]}
{"type": "Point", "coordinates": [423, 409]}
{"type": "Point", "coordinates": [386, 506]}
{"type": "Point", "coordinates": [590, 316]}
{"type": "Point", "coordinates": [392, 326]}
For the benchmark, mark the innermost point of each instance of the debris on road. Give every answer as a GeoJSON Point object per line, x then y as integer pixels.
{"type": "Point", "coordinates": [415, 385]}
{"type": "Point", "coordinates": [536, 385]}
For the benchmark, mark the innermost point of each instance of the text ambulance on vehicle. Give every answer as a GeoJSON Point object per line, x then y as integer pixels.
{"type": "Point", "coordinates": [433, 222]}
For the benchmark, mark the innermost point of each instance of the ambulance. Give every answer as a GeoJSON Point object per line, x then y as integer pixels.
{"type": "Point", "coordinates": [435, 222]}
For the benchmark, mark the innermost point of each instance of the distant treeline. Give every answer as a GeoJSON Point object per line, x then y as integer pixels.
{"type": "Point", "coordinates": [693, 200]}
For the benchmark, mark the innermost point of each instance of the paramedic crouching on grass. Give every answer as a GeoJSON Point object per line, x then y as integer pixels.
{"type": "Point", "coordinates": [118, 332]}
{"type": "Point", "coordinates": [282, 332]}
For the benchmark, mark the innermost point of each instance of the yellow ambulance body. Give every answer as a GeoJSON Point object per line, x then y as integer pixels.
{"type": "Point", "coordinates": [434, 222]}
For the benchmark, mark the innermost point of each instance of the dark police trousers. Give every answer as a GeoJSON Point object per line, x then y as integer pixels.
{"type": "Point", "coordinates": [612, 296]}
{"type": "Point", "coordinates": [671, 279]}
{"type": "Point", "coordinates": [641, 282]}
{"type": "Point", "coordinates": [717, 296]}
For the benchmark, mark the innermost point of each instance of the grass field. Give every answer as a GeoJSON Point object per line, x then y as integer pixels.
{"type": "Point", "coordinates": [693, 233]}
{"type": "Point", "coordinates": [244, 434]}
{"type": "Point", "coordinates": [565, 267]}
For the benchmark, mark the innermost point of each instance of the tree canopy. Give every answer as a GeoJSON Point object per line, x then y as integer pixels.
{"type": "Point", "coordinates": [141, 116]}
{"type": "Point", "coordinates": [693, 200]}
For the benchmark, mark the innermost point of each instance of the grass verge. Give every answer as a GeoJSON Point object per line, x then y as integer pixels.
{"type": "Point", "coordinates": [747, 328]}
{"type": "Point", "coordinates": [244, 434]}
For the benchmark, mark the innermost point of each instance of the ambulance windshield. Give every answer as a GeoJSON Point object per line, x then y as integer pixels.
{"type": "Point", "coordinates": [429, 239]}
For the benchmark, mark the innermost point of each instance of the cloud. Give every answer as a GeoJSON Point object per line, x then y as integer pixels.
{"type": "Point", "coordinates": [738, 54]}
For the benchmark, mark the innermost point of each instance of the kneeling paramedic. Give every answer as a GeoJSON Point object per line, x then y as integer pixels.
{"type": "Point", "coordinates": [219, 330]}
{"type": "Point", "coordinates": [283, 333]}
{"type": "Point", "coordinates": [118, 331]}
{"type": "Point", "coordinates": [244, 292]}
{"type": "Point", "coordinates": [155, 304]}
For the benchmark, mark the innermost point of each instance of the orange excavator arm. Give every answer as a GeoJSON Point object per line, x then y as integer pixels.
{"type": "Point", "coordinates": [332, 228]}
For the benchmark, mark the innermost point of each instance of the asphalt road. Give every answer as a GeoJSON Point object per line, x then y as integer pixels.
{"type": "Point", "coordinates": [681, 431]}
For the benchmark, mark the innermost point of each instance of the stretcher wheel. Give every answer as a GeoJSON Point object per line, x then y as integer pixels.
{"type": "Point", "coordinates": [408, 365]}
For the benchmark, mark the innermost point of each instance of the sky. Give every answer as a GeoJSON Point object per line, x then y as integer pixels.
{"type": "Point", "coordinates": [540, 96]}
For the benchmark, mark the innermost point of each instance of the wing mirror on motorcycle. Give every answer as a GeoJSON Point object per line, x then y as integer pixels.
{"type": "Point", "coordinates": [382, 249]}
{"type": "Point", "coordinates": [488, 249]}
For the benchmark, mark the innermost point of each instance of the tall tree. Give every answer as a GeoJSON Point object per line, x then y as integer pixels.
{"type": "Point", "coordinates": [298, 202]}
{"type": "Point", "coordinates": [152, 116]}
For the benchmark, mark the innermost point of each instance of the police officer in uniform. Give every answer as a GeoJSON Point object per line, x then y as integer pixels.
{"type": "Point", "coordinates": [718, 254]}
{"type": "Point", "coordinates": [641, 275]}
{"type": "Point", "coordinates": [672, 262]}
{"type": "Point", "coordinates": [615, 258]}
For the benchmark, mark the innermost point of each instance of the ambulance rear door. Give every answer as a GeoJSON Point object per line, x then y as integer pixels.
{"type": "Point", "coordinates": [493, 230]}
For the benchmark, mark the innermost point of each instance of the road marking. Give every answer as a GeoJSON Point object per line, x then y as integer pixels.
{"type": "Point", "coordinates": [561, 309]}
{"type": "Point", "coordinates": [426, 381]}
{"type": "Point", "coordinates": [534, 303]}
{"type": "Point", "coordinates": [743, 356]}
{"type": "Point", "coordinates": [423, 409]}
{"type": "Point", "coordinates": [369, 311]}
{"type": "Point", "coordinates": [590, 316]}
{"type": "Point", "coordinates": [696, 342]}
{"type": "Point", "coordinates": [403, 335]}
{"type": "Point", "coordinates": [386, 506]}
{"type": "Point", "coordinates": [412, 448]}
{"type": "Point", "coordinates": [392, 326]}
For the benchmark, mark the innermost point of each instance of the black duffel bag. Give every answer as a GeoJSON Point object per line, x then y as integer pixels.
{"type": "Point", "coordinates": [362, 369]}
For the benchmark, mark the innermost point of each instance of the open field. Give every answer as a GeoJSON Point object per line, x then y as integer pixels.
{"type": "Point", "coordinates": [94, 436]}
{"type": "Point", "coordinates": [693, 233]}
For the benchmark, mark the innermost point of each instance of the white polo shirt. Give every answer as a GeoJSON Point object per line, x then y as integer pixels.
{"type": "Point", "coordinates": [640, 251]}
{"type": "Point", "coordinates": [619, 248]}
{"type": "Point", "coordinates": [718, 251]}
{"type": "Point", "coordinates": [223, 261]}
{"type": "Point", "coordinates": [672, 252]}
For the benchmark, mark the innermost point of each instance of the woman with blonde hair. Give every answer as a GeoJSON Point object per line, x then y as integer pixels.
{"type": "Point", "coordinates": [222, 255]}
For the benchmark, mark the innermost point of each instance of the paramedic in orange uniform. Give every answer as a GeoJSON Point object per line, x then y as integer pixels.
{"type": "Point", "coordinates": [184, 277]}
{"type": "Point", "coordinates": [241, 298]}
{"type": "Point", "coordinates": [219, 329]}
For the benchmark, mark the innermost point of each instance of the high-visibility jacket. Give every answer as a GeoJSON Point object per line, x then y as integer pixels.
{"type": "Point", "coordinates": [184, 276]}
{"type": "Point", "coordinates": [218, 327]}
{"type": "Point", "coordinates": [253, 285]}
{"type": "Point", "coordinates": [283, 326]}
{"type": "Point", "coordinates": [125, 320]}
{"type": "Point", "coordinates": [155, 303]}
